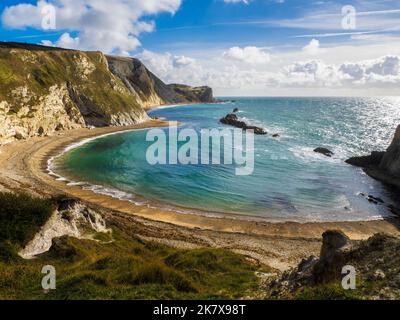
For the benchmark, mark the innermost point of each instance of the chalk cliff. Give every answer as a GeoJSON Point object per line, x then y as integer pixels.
{"type": "Point", "coordinates": [44, 90]}
{"type": "Point", "coordinates": [149, 89]}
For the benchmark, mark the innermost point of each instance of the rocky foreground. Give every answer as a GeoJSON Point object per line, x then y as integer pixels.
{"type": "Point", "coordinates": [45, 90]}
{"type": "Point", "coordinates": [375, 262]}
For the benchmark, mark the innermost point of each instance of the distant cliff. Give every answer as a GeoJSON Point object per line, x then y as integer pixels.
{"type": "Point", "coordinates": [383, 166]}
{"type": "Point", "coordinates": [149, 89]}
{"type": "Point", "coordinates": [44, 90]}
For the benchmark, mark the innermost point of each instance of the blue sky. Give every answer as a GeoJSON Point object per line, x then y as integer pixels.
{"type": "Point", "coordinates": [254, 47]}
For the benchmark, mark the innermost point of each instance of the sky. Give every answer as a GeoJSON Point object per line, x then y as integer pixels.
{"type": "Point", "coordinates": [238, 47]}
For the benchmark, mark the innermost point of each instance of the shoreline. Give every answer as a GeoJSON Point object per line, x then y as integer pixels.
{"type": "Point", "coordinates": [142, 201]}
{"type": "Point", "coordinates": [23, 167]}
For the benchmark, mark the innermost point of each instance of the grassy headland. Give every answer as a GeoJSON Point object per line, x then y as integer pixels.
{"type": "Point", "coordinates": [116, 266]}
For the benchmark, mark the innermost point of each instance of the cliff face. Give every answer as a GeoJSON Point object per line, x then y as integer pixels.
{"type": "Point", "coordinates": [150, 90]}
{"type": "Point", "coordinates": [383, 166]}
{"type": "Point", "coordinates": [192, 94]}
{"type": "Point", "coordinates": [44, 90]}
{"type": "Point", "coordinates": [391, 159]}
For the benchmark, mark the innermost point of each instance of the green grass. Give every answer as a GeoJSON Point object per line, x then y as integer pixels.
{"type": "Point", "coordinates": [117, 266]}
{"type": "Point", "coordinates": [6, 74]}
{"type": "Point", "coordinates": [332, 291]}
{"type": "Point", "coordinates": [40, 70]}
{"type": "Point", "coordinates": [21, 217]}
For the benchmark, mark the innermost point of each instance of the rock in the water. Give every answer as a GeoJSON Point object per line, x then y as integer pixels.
{"type": "Point", "coordinates": [276, 135]}
{"type": "Point", "coordinates": [235, 110]}
{"type": "Point", "coordinates": [378, 200]}
{"type": "Point", "coordinates": [324, 151]}
{"type": "Point", "coordinates": [232, 120]}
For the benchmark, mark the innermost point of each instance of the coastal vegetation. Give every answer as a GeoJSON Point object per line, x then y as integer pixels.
{"type": "Point", "coordinates": [119, 265]}
{"type": "Point", "coordinates": [115, 266]}
{"type": "Point", "coordinates": [375, 265]}
{"type": "Point", "coordinates": [45, 90]}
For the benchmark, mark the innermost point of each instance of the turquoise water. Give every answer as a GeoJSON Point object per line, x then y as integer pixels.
{"type": "Point", "coordinates": [290, 182]}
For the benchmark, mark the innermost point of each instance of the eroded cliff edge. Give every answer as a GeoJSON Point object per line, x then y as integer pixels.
{"type": "Point", "coordinates": [44, 90]}
{"type": "Point", "coordinates": [149, 90]}
{"type": "Point", "coordinates": [383, 166]}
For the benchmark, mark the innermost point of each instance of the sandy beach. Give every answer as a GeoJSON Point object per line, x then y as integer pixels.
{"type": "Point", "coordinates": [23, 167]}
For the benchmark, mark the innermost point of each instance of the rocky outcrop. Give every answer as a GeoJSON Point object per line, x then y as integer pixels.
{"type": "Point", "coordinates": [72, 219]}
{"type": "Point", "coordinates": [331, 262]}
{"type": "Point", "coordinates": [47, 116]}
{"type": "Point", "coordinates": [44, 90]}
{"type": "Point", "coordinates": [391, 159]}
{"type": "Point", "coordinates": [233, 120]}
{"type": "Point", "coordinates": [326, 152]}
{"type": "Point", "coordinates": [376, 262]}
{"type": "Point", "coordinates": [193, 94]}
{"type": "Point", "coordinates": [373, 160]}
{"type": "Point", "coordinates": [150, 90]}
{"type": "Point", "coordinates": [383, 166]}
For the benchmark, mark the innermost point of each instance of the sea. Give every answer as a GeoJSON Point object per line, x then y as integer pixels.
{"type": "Point", "coordinates": [290, 182]}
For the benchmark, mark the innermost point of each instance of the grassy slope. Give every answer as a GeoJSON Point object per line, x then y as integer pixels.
{"type": "Point", "coordinates": [124, 268]}
{"type": "Point", "coordinates": [39, 70]}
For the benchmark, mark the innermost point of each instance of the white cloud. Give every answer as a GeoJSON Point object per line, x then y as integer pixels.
{"type": "Point", "coordinates": [314, 75]}
{"type": "Point", "coordinates": [251, 55]}
{"type": "Point", "coordinates": [313, 48]}
{"type": "Point", "coordinates": [110, 26]}
{"type": "Point", "coordinates": [174, 69]}
{"type": "Point", "coordinates": [385, 70]}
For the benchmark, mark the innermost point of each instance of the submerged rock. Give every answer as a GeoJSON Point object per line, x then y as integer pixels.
{"type": "Point", "coordinates": [232, 120]}
{"type": "Point", "coordinates": [324, 151]}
